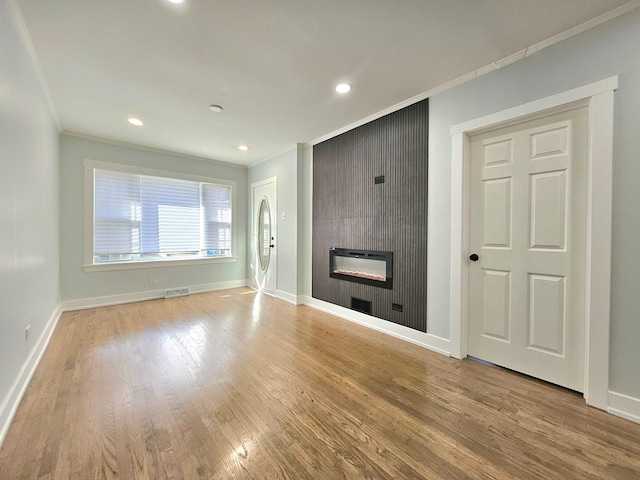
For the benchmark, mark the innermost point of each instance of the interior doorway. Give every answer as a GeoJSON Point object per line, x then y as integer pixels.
{"type": "Point", "coordinates": [598, 97]}
{"type": "Point", "coordinates": [527, 234]}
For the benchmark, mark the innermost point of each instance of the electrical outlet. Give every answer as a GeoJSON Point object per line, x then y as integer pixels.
{"type": "Point", "coordinates": [26, 332]}
{"type": "Point", "coordinates": [153, 280]}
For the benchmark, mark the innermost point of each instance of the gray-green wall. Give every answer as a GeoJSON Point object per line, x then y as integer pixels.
{"type": "Point", "coordinates": [78, 284]}
{"type": "Point", "coordinates": [29, 214]}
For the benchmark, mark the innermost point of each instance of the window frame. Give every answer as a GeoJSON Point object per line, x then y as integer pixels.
{"type": "Point", "coordinates": [89, 266]}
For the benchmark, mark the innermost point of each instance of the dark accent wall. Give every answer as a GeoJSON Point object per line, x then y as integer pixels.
{"type": "Point", "coordinates": [352, 209]}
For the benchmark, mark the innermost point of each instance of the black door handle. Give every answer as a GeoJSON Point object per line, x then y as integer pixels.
{"type": "Point", "coordinates": [473, 257]}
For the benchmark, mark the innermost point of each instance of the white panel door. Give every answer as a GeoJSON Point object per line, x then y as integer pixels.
{"type": "Point", "coordinates": [264, 236]}
{"type": "Point", "coordinates": [527, 219]}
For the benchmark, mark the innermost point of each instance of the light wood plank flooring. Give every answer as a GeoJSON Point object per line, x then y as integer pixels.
{"type": "Point", "coordinates": [238, 385]}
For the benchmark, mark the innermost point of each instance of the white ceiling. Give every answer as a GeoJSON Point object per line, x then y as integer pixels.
{"type": "Point", "coordinates": [272, 64]}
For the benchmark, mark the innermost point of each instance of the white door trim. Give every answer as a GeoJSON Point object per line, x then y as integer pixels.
{"type": "Point", "coordinates": [264, 182]}
{"type": "Point", "coordinates": [599, 98]}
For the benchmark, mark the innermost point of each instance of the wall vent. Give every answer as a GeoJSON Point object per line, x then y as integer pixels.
{"type": "Point", "coordinates": [176, 292]}
{"type": "Point", "coordinates": [361, 305]}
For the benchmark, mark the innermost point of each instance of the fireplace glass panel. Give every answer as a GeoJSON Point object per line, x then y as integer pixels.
{"type": "Point", "coordinates": [361, 267]}
{"type": "Point", "coordinates": [371, 267]}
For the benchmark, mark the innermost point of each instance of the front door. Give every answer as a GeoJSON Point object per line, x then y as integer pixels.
{"type": "Point", "coordinates": [264, 236]}
{"type": "Point", "coordinates": [527, 241]}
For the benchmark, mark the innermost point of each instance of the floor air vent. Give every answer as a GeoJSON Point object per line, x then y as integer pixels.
{"type": "Point", "coordinates": [176, 292]}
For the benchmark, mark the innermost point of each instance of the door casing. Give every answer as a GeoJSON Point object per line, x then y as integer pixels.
{"type": "Point", "coordinates": [599, 98]}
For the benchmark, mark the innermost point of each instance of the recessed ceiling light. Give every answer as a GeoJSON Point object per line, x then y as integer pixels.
{"type": "Point", "coordinates": [215, 108]}
{"type": "Point", "coordinates": [343, 88]}
{"type": "Point", "coordinates": [135, 121]}
{"type": "Point", "coordinates": [176, 1]}
{"type": "Point", "coordinates": [244, 148]}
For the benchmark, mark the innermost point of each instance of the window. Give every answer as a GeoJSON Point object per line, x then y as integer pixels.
{"type": "Point", "coordinates": [146, 216]}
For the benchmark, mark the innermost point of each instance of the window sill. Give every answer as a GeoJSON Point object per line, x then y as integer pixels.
{"type": "Point", "coordinates": [106, 267]}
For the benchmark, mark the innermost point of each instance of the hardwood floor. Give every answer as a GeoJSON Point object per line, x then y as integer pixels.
{"type": "Point", "coordinates": [238, 385]}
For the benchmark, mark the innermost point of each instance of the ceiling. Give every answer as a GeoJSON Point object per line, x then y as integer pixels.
{"type": "Point", "coordinates": [272, 65]}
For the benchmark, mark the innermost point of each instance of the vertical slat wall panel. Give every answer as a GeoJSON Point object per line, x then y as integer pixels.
{"type": "Point", "coordinates": [350, 211]}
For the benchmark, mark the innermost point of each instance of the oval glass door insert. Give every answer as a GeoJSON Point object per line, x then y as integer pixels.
{"type": "Point", "coordinates": [264, 234]}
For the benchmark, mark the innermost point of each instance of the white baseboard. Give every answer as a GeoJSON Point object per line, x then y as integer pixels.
{"type": "Point", "coordinates": [84, 303]}
{"type": "Point", "coordinates": [279, 294]}
{"type": "Point", "coordinates": [287, 297]}
{"type": "Point", "coordinates": [426, 340]}
{"type": "Point", "coordinates": [12, 401]}
{"type": "Point", "coordinates": [624, 406]}
{"type": "Point", "coordinates": [214, 287]}
{"type": "Point", "coordinates": [93, 302]}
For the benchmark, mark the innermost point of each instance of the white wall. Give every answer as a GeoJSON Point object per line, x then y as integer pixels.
{"type": "Point", "coordinates": [29, 213]}
{"type": "Point", "coordinates": [609, 49]}
{"type": "Point", "coordinates": [78, 284]}
{"type": "Point", "coordinates": [285, 168]}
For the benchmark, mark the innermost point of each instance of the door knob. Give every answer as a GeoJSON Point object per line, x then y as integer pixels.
{"type": "Point", "coordinates": [473, 257]}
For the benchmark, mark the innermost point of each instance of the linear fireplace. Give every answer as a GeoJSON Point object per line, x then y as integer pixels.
{"type": "Point", "coordinates": [371, 267]}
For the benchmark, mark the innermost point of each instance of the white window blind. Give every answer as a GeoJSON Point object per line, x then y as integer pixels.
{"type": "Point", "coordinates": [141, 218]}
